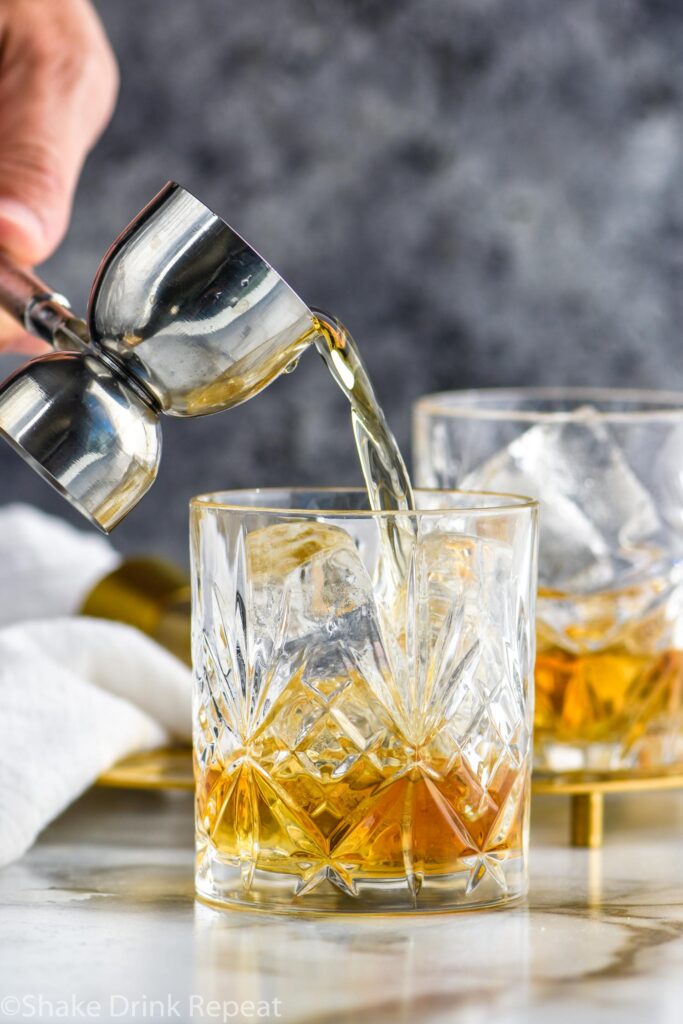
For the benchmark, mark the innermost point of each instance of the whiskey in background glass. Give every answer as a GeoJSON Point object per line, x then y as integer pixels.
{"type": "Point", "coordinates": [607, 468]}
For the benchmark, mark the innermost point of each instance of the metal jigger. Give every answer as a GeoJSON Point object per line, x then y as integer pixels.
{"type": "Point", "coordinates": [184, 318]}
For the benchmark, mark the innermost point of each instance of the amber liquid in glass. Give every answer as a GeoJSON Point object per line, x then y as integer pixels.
{"type": "Point", "coordinates": [394, 810]}
{"type": "Point", "coordinates": [613, 675]}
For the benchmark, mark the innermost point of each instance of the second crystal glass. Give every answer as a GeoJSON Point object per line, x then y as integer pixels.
{"type": "Point", "coordinates": [362, 728]}
{"type": "Point", "coordinates": [607, 467]}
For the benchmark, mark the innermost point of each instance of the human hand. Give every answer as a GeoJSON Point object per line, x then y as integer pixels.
{"type": "Point", "coordinates": [58, 86]}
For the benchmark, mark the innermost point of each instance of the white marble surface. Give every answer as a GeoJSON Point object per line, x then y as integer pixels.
{"type": "Point", "coordinates": [102, 909]}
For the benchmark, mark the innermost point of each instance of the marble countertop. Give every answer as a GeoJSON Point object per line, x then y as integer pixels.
{"type": "Point", "coordinates": [101, 910]}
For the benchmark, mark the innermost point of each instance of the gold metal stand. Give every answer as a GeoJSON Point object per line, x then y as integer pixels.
{"type": "Point", "coordinates": [171, 768]}
{"type": "Point", "coordinates": [587, 791]}
{"type": "Point", "coordinates": [162, 768]}
{"type": "Point", "coordinates": [587, 822]}
{"type": "Point", "coordinates": [150, 594]}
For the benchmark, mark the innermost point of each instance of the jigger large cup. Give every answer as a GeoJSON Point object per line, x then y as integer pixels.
{"type": "Point", "coordinates": [184, 318]}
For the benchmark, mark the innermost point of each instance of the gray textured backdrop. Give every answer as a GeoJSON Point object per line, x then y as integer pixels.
{"type": "Point", "coordinates": [488, 191]}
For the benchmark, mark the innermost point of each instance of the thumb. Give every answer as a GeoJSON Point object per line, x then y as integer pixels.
{"type": "Point", "coordinates": [57, 88]}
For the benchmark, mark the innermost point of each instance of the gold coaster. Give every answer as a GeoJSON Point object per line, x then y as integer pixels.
{"type": "Point", "coordinates": [163, 768]}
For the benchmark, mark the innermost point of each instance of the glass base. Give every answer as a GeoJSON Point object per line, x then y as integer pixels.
{"type": "Point", "coordinates": [485, 881]}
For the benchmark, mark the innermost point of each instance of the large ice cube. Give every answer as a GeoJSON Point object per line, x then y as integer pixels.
{"type": "Point", "coordinates": [598, 522]}
{"type": "Point", "coordinates": [313, 607]}
{"type": "Point", "coordinates": [309, 574]}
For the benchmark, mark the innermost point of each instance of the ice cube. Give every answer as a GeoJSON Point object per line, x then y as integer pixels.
{"type": "Point", "coordinates": [313, 608]}
{"type": "Point", "coordinates": [311, 573]}
{"type": "Point", "coordinates": [598, 521]}
{"type": "Point", "coordinates": [275, 551]}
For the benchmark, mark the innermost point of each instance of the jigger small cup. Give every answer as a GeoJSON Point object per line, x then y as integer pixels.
{"type": "Point", "coordinates": [184, 318]}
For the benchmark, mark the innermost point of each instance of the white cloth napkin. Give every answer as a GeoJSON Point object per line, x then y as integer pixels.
{"type": "Point", "coordinates": [76, 694]}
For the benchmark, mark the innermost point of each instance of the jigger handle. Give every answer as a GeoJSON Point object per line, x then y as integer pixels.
{"type": "Point", "coordinates": [38, 309]}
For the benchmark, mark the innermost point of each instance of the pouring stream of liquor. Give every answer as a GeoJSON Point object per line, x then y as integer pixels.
{"type": "Point", "coordinates": [386, 477]}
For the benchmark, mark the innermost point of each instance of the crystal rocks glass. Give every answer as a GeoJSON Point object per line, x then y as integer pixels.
{"type": "Point", "coordinates": [362, 727]}
{"type": "Point", "coordinates": [607, 468]}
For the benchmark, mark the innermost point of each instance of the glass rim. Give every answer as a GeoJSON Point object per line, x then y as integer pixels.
{"type": "Point", "coordinates": [511, 503]}
{"type": "Point", "coordinates": [463, 404]}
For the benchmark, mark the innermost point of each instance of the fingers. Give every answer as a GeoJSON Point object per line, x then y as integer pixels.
{"type": "Point", "coordinates": [58, 84]}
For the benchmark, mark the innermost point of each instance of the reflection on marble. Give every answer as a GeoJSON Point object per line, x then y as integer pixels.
{"type": "Point", "coordinates": [103, 906]}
